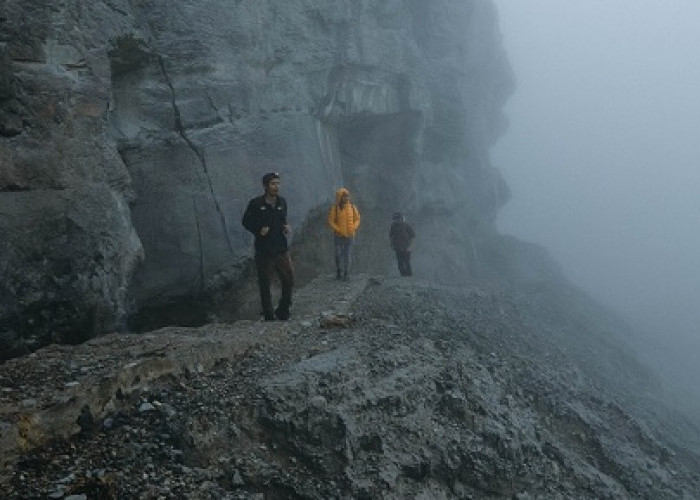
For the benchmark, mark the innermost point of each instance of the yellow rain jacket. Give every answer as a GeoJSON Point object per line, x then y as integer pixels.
{"type": "Point", "coordinates": [343, 221]}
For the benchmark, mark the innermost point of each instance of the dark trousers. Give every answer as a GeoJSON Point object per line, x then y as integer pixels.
{"type": "Point", "coordinates": [282, 265]}
{"type": "Point", "coordinates": [403, 258]}
{"type": "Point", "coordinates": [343, 254]}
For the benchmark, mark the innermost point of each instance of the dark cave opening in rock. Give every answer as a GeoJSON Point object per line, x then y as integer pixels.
{"type": "Point", "coordinates": [378, 155]}
{"type": "Point", "coordinates": [186, 311]}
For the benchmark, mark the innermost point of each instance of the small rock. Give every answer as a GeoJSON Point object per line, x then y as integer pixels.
{"type": "Point", "coordinates": [318, 402]}
{"type": "Point", "coordinates": [170, 411]}
{"type": "Point", "coordinates": [237, 479]}
{"type": "Point", "coordinates": [108, 423]}
{"type": "Point", "coordinates": [68, 479]}
{"type": "Point", "coordinates": [72, 384]}
{"type": "Point", "coordinates": [146, 407]}
{"type": "Point", "coordinates": [336, 321]}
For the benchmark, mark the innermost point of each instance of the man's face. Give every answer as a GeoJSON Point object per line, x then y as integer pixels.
{"type": "Point", "coordinates": [273, 187]}
{"type": "Point", "coordinates": [344, 198]}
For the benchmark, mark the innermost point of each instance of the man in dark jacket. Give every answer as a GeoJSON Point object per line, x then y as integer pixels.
{"type": "Point", "coordinates": [266, 218]}
{"type": "Point", "coordinates": [402, 236]}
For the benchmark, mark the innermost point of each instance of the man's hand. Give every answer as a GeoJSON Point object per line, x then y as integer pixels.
{"type": "Point", "coordinates": [264, 230]}
{"type": "Point", "coordinates": [287, 229]}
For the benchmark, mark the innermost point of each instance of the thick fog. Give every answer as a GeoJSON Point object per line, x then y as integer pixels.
{"type": "Point", "coordinates": [603, 157]}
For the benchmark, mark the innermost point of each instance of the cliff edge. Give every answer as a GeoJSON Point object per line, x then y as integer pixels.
{"type": "Point", "coordinates": [380, 388]}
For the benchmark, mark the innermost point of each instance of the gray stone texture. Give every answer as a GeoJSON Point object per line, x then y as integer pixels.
{"type": "Point", "coordinates": [132, 135]}
{"type": "Point", "coordinates": [381, 388]}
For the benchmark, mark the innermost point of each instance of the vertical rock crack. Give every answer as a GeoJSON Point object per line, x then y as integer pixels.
{"type": "Point", "coordinates": [198, 152]}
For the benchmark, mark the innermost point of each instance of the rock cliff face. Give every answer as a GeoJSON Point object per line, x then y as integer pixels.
{"type": "Point", "coordinates": [133, 133]}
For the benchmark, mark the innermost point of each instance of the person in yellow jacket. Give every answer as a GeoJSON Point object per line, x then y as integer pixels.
{"type": "Point", "coordinates": [344, 219]}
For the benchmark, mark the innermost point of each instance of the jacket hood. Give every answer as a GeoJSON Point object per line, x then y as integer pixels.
{"type": "Point", "coordinates": [340, 193]}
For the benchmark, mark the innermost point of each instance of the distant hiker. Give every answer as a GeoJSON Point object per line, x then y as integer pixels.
{"type": "Point", "coordinates": [402, 236]}
{"type": "Point", "coordinates": [344, 219]}
{"type": "Point", "coordinates": [266, 218]}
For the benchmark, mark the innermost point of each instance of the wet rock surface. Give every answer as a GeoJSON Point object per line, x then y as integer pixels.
{"type": "Point", "coordinates": [378, 388]}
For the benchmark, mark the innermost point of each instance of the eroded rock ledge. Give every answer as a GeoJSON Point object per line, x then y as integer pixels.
{"type": "Point", "coordinates": [383, 388]}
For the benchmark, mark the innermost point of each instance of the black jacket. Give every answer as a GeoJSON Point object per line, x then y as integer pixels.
{"type": "Point", "coordinates": [259, 214]}
{"type": "Point", "coordinates": [402, 235]}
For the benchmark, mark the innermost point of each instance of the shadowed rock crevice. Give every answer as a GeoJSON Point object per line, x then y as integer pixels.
{"type": "Point", "coordinates": [201, 249]}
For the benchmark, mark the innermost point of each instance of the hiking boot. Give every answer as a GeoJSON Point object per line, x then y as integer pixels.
{"type": "Point", "coordinates": [346, 277]}
{"type": "Point", "coordinates": [282, 313]}
{"type": "Point", "coordinates": [338, 275]}
{"type": "Point", "coordinates": [269, 317]}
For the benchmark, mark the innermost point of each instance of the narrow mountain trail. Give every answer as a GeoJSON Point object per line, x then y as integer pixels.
{"type": "Point", "coordinates": [43, 394]}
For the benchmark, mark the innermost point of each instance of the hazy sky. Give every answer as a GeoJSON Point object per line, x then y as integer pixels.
{"type": "Point", "coordinates": [603, 151]}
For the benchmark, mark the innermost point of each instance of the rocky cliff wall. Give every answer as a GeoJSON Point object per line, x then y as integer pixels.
{"type": "Point", "coordinates": [133, 133]}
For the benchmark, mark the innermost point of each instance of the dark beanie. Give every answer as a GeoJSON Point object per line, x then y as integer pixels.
{"type": "Point", "coordinates": [268, 177]}
{"type": "Point", "coordinates": [397, 216]}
